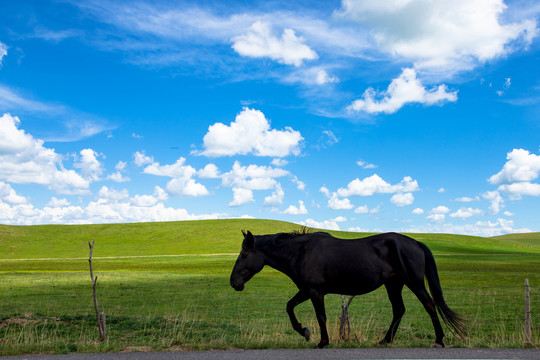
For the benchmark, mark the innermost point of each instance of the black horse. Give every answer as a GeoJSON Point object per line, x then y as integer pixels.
{"type": "Point", "coordinates": [321, 264]}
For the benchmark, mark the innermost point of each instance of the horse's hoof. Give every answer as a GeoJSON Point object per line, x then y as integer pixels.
{"type": "Point", "coordinates": [321, 345]}
{"type": "Point", "coordinates": [438, 345]}
{"type": "Point", "coordinates": [307, 334]}
{"type": "Point", "coordinates": [382, 344]}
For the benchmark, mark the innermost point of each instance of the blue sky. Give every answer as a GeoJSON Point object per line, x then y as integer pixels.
{"type": "Point", "coordinates": [410, 116]}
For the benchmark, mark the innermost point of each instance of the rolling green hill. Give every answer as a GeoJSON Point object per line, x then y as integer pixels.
{"type": "Point", "coordinates": [204, 237]}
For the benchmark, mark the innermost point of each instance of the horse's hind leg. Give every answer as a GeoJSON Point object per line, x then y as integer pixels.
{"type": "Point", "coordinates": [426, 300]}
{"type": "Point", "coordinates": [394, 288]}
{"type": "Point", "coordinates": [297, 299]}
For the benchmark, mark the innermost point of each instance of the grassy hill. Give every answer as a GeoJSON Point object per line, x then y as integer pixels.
{"type": "Point", "coordinates": [204, 237]}
{"type": "Point", "coordinates": [166, 286]}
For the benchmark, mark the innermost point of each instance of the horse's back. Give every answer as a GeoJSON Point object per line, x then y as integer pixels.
{"type": "Point", "coordinates": [356, 266]}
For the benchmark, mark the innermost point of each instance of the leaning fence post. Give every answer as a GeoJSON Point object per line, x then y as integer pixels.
{"type": "Point", "coordinates": [99, 317]}
{"type": "Point", "coordinates": [528, 332]}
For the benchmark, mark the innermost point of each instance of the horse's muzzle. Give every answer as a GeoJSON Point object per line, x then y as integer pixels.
{"type": "Point", "coordinates": [237, 287]}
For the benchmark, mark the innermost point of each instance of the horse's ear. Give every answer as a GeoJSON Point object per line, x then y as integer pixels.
{"type": "Point", "coordinates": [244, 233]}
{"type": "Point", "coordinates": [249, 241]}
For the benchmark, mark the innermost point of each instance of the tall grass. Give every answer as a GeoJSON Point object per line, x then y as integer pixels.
{"type": "Point", "coordinates": [185, 301]}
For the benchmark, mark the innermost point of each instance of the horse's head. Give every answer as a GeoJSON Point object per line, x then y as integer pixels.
{"type": "Point", "coordinates": [249, 262]}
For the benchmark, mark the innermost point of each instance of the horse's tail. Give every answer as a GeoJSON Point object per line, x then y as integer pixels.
{"type": "Point", "coordinates": [450, 318]}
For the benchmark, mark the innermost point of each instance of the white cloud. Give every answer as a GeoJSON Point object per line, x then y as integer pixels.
{"type": "Point", "coordinates": [241, 196]}
{"type": "Point", "coordinates": [182, 182]}
{"type": "Point", "coordinates": [3, 51]}
{"type": "Point", "coordinates": [365, 165]}
{"type": "Point", "coordinates": [293, 210]}
{"type": "Point", "coordinates": [141, 159]}
{"type": "Point", "coordinates": [521, 188]}
{"type": "Point", "coordinates": [418, 211]}
{"type": "Point", "coordinates": [465, 213]}
{"type": "Point", "coordinates": [362, 209]}
{"type": "Point", "coordinates": [438, 214]}
{"type": "Point", "coordinates": [336, 203]}
{"type": "Point", "coordinates": [150, 200]}
{"type": "Point", "coordinates": [58, 203]}
{"type": "Point", "coordinates": [496, 200]}
{"type": "Point", "coordinates": [24, 160]}
{"type": "Point", "coordinates": [325, 191]}
{"type": "Point", "coordinates": [210, 171]}
{"type": "Point", "coordinates": [279, 162]}
{"type": "Point", "coordinates": [250, 133]}
{"type": "Point", "coordinates": [467, 199]}
{"type": "Point", "coordinates": [402, 199]}
{"type": "Point", "coordinates": [89, 164]}
{"type": "Point", "coordinates": [508, 213]}
{"type": "Point", "coordinates": [323, 78]}
{"type": "Point", "coordinates": [516, 176]}
{"type": "Point", "coordinates": [260, 42]}
{"type": "Point", "coordinates": [118, 176]}
{"type": "Point", "coordinates": [522, 166]}
{"type": "Point", "coordinates": [300, 185]}
{"type": "Point", "coordinates": [404, 90]}
{"type": "Point", "coordinates": [8, 194]}
{"type": "Point", "coordinates": [277, 196]}
{"type": "Point", "coordinates": [252, 177]}
{"type": "Point", "coordinates": [376, 185]}
{"type": "Point", "coordinates": [326, 224]}
{"type": "Point", "coordinates": [452, 35]}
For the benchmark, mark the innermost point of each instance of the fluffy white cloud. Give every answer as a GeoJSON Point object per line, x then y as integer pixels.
{"type": "Point", "coordinates": [276, 198]}
{"type": "Point", "coordinates": [406, 89]}
{"type": "Point", "coordinates": [141, 159]}
{"type": "Point", "coordinates": [438, 214]}
{"type": "Point", "coordinates": [418, 211]}
{"type": "Point", "coordinates": [8, 194]}
{"type": "Point", "coordinates": [89, 164]}
{"type": "Point", "coordinates": [365, 165]}
{"type": "Point", "coordinates": [516, 176]}
{"type": "Point", "coordinates": [521, 188]}
{"type": "Point", "coordinates": [451, 35]}
{"type": "Point", "coordinates": [241, 196]}
{"type": "Point", "coordinates": [522, 166]}
{"type": "Point", "coordinates": [376, 185]}
{"type": "Point", "coordinates": [245, 179]}
{"type": "Point", "coordinates": [402, 199]}
{"type": "Point", "coordinates": [293, 210]}
{"type": "Point", "coordinates": [260, 42]}
{"type": "Point", "coordinates": [58, 203]}
{"type": "Point", "coordinates": [336, 203]}
{"type": "Point", "coordinates": [496, 200]}
{"type": "Point", "coordinates": [210, 171]}
{"type": "Point", "coordinates": [252, 177]}
{"type": "Point", "coordinates": [250, 133]}
{"type": "Point", "coordinates": [326, 224]}
{"type": "Point", "coordinates": [465, 213]}
{"type": "Point", "coordinates": [24, 159]}
{"type": "Point", "coordinates": [182, 182]}
{"type": "Point", "coordinates": [118, 176]}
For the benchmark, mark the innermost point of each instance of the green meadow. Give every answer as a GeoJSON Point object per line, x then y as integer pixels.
{"type": "Point", "coordinates": [165, 286]}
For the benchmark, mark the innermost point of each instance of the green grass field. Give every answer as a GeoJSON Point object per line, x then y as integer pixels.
{"type": "Point", "coordinates": [165, 286]}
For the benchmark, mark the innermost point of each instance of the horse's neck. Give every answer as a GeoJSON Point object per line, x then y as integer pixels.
{"type": "Point", "coordinates": [279, 258]}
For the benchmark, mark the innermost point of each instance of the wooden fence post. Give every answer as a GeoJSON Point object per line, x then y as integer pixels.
{"type": "Point", "coordinates": [344, 320]}
{"type": "Point", "coordinates": [528, 332]}
{"type": "Point", "coordinates": [100, 318]}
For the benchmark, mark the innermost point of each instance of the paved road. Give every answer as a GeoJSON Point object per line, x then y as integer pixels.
{"type": "Point", "coordinates": [338, 354]}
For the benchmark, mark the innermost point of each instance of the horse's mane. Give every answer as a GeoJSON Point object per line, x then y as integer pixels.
{"type": "Point", "coordinates": [280, 239]}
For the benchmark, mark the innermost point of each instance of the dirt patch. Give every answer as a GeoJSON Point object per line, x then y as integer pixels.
{"type": "Point", "coordinates": [137, 349]}
{"type": "Point", "coordinates": [18, 321]}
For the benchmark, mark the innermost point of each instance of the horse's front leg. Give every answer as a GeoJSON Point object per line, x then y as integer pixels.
{"type": "Point", "coordinates": [318, 303]}
{"type": "Point", "coordinates": [297, 299]}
